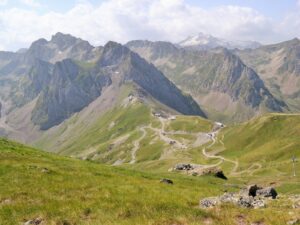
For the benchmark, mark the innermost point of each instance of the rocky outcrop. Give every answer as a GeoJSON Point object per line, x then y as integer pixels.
{"type": "Point", "coordinates": [243, 199]}
{"type": "Point", "coordinates": [255, 190]}
{"type": "Point", "coordinates": [197, 170]}
{"type": "Point", "coordinates": [182, 166]}
{"type": "Point", "coordinates": [267, 192]}
{"type": "Point", "coordinates": [209, 202]}
{"type": "Point", "coordinates": [220, 174]}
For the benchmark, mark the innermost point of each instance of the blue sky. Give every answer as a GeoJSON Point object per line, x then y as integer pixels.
{"type": "Point", "coordinates": [272, 8]}
{"type": "Point", "coordinates": [98, 21]}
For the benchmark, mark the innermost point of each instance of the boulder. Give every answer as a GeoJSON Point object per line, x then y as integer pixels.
{"type": "Point", "coordinates": [296, 204]}
{"type": "Point", "coordinates": [251, 202]}
{"type": "Point", "coordinates": [209, 202]}
{"type": "Point", "coordinates": [45, 170]}
{"type": "Point", "coordinates": [229, 198]}
{"type": "Point", "coordinates": [258, 203]}
{"type": "Point", "coordinates": [166, 181]}
{"type": "Point", "coordinates": [182, 166]}
{"type": "Point", "coordinates": [293, 222]}
{"type": "Point", "coordinates": [36, 221]}
{"type": "Point", "coordinates": [267, 192]}
{"type": "Point", "coordinates": [245, 201]}
{"type": "Point", "coordinates": [220, 174]}
{"type": "Point", "coordinates": [252, 190]}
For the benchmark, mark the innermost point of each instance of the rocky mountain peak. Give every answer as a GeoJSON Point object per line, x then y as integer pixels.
{"type": "Point", "coordinates": [207, 41]}
{"type": "Point", "coordinates": [64, 40]}
{"type": "Point", "coordinates": [113, 53]}
{"type": "Point", "coordinates": [60, 47]}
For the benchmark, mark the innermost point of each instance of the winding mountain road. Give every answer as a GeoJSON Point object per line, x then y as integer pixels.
{"type": "Point", "coordinates": [163, 135]}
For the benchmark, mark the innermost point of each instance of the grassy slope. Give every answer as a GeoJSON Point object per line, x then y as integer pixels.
{"type": "Point", "coordinates": [101, 139]}
{"type": "Point", "coordinates": [81, 192]}
{"type": "Point", "coordinates": [190, 124]}
{"type": "Point", "coordinates": [270, 141]}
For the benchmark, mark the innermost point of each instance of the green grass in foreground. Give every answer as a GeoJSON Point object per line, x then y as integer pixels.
{"type": "Point", "coordinates": [82, 192]}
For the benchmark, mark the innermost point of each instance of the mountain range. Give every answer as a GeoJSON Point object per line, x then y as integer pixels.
{"type": "Point", "coordinates": [206, 41]}
{"type": "Point", "coordinates": [225, 87]}
{"type": "Point", "coordinates": [141, 133]}
{"type": "Point", "coordinates": [63, 90]}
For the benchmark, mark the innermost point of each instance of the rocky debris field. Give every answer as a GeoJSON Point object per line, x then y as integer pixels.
{"type": "Point", "coordinates": [252, 197]}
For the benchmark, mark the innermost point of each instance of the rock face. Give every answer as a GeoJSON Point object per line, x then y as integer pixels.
{"type": "Point", "coordinates": [70, 89]}
{"type": "Point", "coordinates": [212, 77]}
{"type": "Point", "coordinates": [74, 85]}
{"type": "Point", "coordinates": [60, 47]}
{"type": "Point", "coordinates": [279, 66]}
{"type": "Point", "coordinates": [66, 74]}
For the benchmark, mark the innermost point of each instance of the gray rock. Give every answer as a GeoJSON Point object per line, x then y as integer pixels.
{"type": "Point", "coordinates": [245, 201]}
{"type": "Point", "coordinates": [252, 190]}
{"type": "Point", "coordinates": [220, 174]}
{"type": "Point", "coordinates": [293, 222]}
{"type": "Point", "coordinates": [267, 192]}
{"type": "Point", "coordinates": [166, 181]}
{"type": "Point", "coordinates": [258, 203]}
{"type": "Point", "coordinates": [183, 166]}
{"type": "Point", "coordinates": [36, 221]}
{"type": "Point", "coordinates": [209, 202]}
{"type": "Point", "coordinates": [251, 202]}
{"type": "Point", "coordinates": [45, 170]}
{"type": "Point", "coordinates": [229, 198]}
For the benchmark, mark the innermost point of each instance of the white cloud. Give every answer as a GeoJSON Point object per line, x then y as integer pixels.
{"type": "Point", "coordinates": [31, 3]}
{"type": "Point", "coordinates": [124, 20]}
{"type": "Point", "coordinates": [3, 2]}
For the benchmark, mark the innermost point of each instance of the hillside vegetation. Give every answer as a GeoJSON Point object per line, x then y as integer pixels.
{"type": "Point", "coordinates": [263, 148]}
{"type": "Point", "coordinates": [61, 190]}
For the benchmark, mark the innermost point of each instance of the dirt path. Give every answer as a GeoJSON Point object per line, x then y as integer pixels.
{"type": "Point", "coordinates": [253, 168]}
{"type": "Point", "coordinates": [213, 136]}
{"type": "Point", "coordinates": [136, 145]}
{"type": "Point", "coordinates": [201, 139]}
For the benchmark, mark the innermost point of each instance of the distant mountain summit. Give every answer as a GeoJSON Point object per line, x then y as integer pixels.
{"type": "Point", "coordinates": [60, 47]}
{"type": "Point", "coordinates": [219, 81]}
{"type": "Point", "coordinates": [62, 76]}
{"type": "Point", "coordinates": [206, 41]}
{"type": "Point", "coordinates": [279, 66]}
